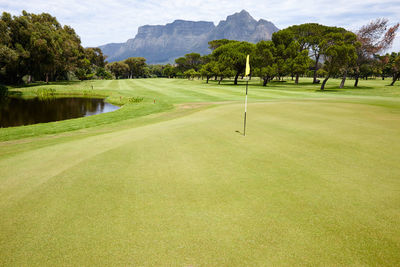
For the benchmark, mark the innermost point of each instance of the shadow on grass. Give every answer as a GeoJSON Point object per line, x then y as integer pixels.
{"type": "Point", "coordinates": [256, 83]}
{"type": "Point", "coordinates": [14, 94]}
{"type": "Point", "coordinates": [327, 91]}
{"type": "Point", "coordinates": [346, 88]}
{"type": "Point", "coordinates": [239, 132]}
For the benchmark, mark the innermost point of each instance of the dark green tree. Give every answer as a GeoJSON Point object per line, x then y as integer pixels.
{"type": "Point", "coordinates": [339, 51]}
{"type": "Point", "coordinates": [119, 69]}
{"type": "Point", "coordinates": [264, 61]}
{"type": "Point", "coordinates": [190, 74]}
{"type": "Point", "coordinates": [136, 66]}
{"type": "Point", "coordinates": [286, 49]}
{"type": "Point", "coordinates": [299, 64]}
{"type": "Point", "coordinates": [395, 65]}
{"type": "Point", "coordinates": [309, 37]}
{"type": "Point", "coordinates": [36, 46]}
{"type": "Point", "coordinates": [233, 56]}
{"type": "Point", "coordinates": [217, 43]}
{"type": "Point", "coordinates": [222, 71]}
{"type": "Point", "coordinates": [189, 61]}
{"type": "Point", "coordinates": [207, 70]}
{"type": "Point", "coordinates": [169, 71]}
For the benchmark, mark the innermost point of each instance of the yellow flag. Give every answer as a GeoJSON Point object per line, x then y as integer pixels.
{"type": "Point", "coordinates": [247, 66]}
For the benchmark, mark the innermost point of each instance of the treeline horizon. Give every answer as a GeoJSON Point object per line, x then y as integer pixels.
{"type": "Point", "coordinates": [297, 51]}
{"type": "Point", "coordinates": [37, 48]}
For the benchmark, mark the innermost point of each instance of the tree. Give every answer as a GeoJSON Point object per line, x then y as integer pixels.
{"type": "Point", "coordinates": [136, 66]}
{"type": "Point", "coordinates": [189, 61]}
{"type": "Point", "coordinates": [207, 70]}
{"type": "Point", "coordinates": [299, 64]}
{"type": "Point", "coordinates": [222, 71]}
{"type": "Point", "coordinates": [119, 69]}
{"type": "Point", "coordinates": [217, 43]}
{"type": "Point", "coordinates": [6, 53]}
{"type": "Point", "coordinates": [169, 71]}
{"type": "Point", "coordinates": [155, 70]}
{"type": "Point", "coordinates": [91, 63]}
{"type": "Point", "coordinates": [95, 56]}
{"type": "Point", "coordinates": [286, 49]}
{"type": "Point", "coordinates": [38, 47]}
{"type": "Point", "coordinates": [103, 74]}
{"type": "Point", "coordinates": [383, 66]}
{"type": "Point", "coordinates": [193, 61]}
{"type": "Point", "coordinates": [84, 70]}
{"type": "Point", "coordinates": [339, 50]}
{"type": "Point", "coordinates": [395, 64]}
{"type": "Point", "coordinates": [190, 74]}
{"type": "Point", "coordinates": [291, 56]}
{"type": "Point", "coordinates": [264, 61]}
{"type": "Point", "coordinates": [233, 56]}
{"type": "Point", "coordinates": [373, 39]}
{"type": "Point", "coordinates": [309, 36]}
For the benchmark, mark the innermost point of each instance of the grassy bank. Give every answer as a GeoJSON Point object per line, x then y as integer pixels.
{"type": "Point", "coordinates": [315, 181]}
{"type": "Point", "coordinates": [168, 92]}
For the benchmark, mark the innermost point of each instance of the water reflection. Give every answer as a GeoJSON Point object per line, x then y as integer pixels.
{"type": "Point", "coordinates": [18, 111]}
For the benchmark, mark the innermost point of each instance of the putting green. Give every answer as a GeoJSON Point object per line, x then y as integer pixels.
{"type": "Point", "coordinates": [314, 182]}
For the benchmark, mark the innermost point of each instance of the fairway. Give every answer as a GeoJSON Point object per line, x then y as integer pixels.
{"type": "Point", "coordinates": [316, 181]}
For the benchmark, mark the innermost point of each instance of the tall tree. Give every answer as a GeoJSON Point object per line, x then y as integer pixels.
{"type": "Point", "coordinates": [222, 71]}
{"type": "Point", "coordinates": [383, 66]}
{"type": "Point", "coordinates": [7, 54]}
{"type": "Point", "coordinates": [207, 70]}
{"type": "Point", "coordinates": [309, 37]}
{"type": "Point", "coordinates": [217, 43]}
{"type": "Point", "coordinates": [374, 38]}
{"type": "Point", "coordinates": [286, 49]}
{"type": "Point", "coordinates": [233, 56]}
{"type": "Point", "coordinates": [136, 66]}
{"type": "Point", "coordinates": [264, 61]}
{"type": "Point", "coordinates": [299, 64]}
{"type": "Point", "coordinates": [95, 56]}
{"type": "Point", "coordinates": [118, 68]}
{"type": "Point", "coordinates": [395, 65]}
{"type": "Point", "coordinates": [338, 50]}
{"type": "Point", "coordinates": [189, 61]}
{"type": "Point", "coordinates": [169, 71]}
{"type": "Point", "coordinates": [37, 46]}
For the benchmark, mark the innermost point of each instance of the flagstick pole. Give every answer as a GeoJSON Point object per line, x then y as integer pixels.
{"type": "Point", "coordinates": [245, 109]}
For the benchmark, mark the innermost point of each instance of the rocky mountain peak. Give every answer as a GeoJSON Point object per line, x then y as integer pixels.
{"type": "Point", "coordinates": [164, 43]}
{"type": "Point", "coordinates": [241, 16]}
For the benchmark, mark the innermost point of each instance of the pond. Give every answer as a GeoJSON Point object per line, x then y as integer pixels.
{"type": "Point", "coordinates": [18, 111]}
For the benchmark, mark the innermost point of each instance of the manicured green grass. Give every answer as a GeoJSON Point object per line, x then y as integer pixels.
{"type": "Point", "coordinates": [315, 181]}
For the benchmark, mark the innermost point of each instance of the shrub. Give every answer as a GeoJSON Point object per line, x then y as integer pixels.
{"type": "Point", "coordinates": [45, 92]}
{"type": "Point", "coordinates": [135, 99]}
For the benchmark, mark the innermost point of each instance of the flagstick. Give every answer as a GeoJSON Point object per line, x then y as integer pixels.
{"type": "Point", "coordinates": [245, 110]}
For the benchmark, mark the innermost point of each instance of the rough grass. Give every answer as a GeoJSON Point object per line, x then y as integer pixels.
{"type": "Point", "coordinates": [314, 182]}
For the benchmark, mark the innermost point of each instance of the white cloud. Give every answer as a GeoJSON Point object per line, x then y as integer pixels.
{"type": "Point", "coordinates": [101, 21]}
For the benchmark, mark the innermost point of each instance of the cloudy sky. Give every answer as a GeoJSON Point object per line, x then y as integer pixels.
{"type": "Point", "coordinates": [104, 21]}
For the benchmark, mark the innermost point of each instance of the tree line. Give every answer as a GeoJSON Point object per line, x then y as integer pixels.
{"type": "Point", "coordinates": [134, 67]}
{"type": "Point", "coordinates": [309, 49]}
{"type": "Point", "coordinates": [35, 47]}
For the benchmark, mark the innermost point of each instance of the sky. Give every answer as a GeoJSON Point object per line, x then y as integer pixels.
{"type": "Point", "coordinates": [98, 22]}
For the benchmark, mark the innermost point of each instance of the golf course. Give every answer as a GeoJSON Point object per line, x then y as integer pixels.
{"type": "Point", "coordinates": [171, 180]}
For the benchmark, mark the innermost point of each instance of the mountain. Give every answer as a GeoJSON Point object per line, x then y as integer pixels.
{"type": "Point", "coordinates": [165, 43]}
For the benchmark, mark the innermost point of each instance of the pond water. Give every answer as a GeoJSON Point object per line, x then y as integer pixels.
{"type": "Point", "coordinates": [18, 111]}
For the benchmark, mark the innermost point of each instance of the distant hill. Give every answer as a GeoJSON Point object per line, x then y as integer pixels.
{"type": "Point", "coordinates": [164, 43]}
